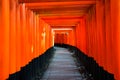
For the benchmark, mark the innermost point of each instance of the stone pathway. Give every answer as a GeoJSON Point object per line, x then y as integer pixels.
{"type": "Point", "coordinates": [62, 67]}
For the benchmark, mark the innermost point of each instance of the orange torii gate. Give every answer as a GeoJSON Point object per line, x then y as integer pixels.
{"type": "Point", "coordinates": [24, 34]}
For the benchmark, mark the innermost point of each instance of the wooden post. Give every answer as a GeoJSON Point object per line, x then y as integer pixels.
{"type": "Point", "coordinates": [115, 36]}
{"type": "Point", "coordinates": [12, 37]}
{"type": "Point", "coordinates": [4, 39]}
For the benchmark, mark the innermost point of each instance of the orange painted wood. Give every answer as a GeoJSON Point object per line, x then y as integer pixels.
{"type": "Point", "coordinates": [47, 37]}
{"type": "Point", "coordinates": [94, 33]}
{"type": "Point", "coordinates": [37, 36]}
{"type": "Point", "coordinates": [45, 30]}
{"type": "Point", "coordinates": [81, 35]}
{"type": "Point", "coordinates": [23, 36]}
{"type": "Point", "coordinates": [101, 33]}
{"type": "Point", "coordinates": [31, 33]}
{"type": "Point", "coordinates": [115, 37]}
{"type": "Point", "coordinates": [51, 4]}
{"type": "Point", "coordinates": [12, 38]}
{"type": "Point", "coordinates": [4, 39]}
{"type": "Point", "coordinates": [70, 37]}
{"type": "Point", "coordinates": [42, 34]}
{"type": "Point", "coordinates": [18, 39]}
{"type": "Point", "coordinates": [109, 60]}
{"type": "Point", "coordinates": [64, 36]}
{"type": "Point", "coordinates": [103, 37]}
{"type": "Point", "coordinates": [28, 36]}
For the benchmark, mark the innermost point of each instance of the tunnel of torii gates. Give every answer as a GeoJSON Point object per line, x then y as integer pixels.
{"type": "Point", "coordinates": [29, 27]}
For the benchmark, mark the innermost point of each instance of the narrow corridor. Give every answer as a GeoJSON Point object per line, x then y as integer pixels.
{"type": "Point", "coordinates": [63, 67]}
{"type": "Point", "coordinates": [29, 30]}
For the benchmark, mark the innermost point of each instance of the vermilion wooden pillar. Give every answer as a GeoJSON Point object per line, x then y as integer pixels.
{"type": "Point", "coordinates": [37, 36]}
{"type": "Point", "coordinates": [55, 38]}
{"type": "Point", "coordinates": [50, 40]}
{"type": "Point", "coordinates": [4, 39]}
{"type": "Point", "coordinates": [35, 26]}
{"type": "Point", "coordinates": [28, 35]}
{"type": "Point", "coordinates": [109, 59]}
{"type": "Point", "coordinates": [47, 36]}
{"type": "Point", "coordinates": [90, 33]}
{"type": "Point", "coordinates": [28, 47]}
{"type": "Point", "coordinates": [12, 33]}
{"type": "Point", "coordinates": [42, 34]}
{"type": "Point", "coordinates": [81, 35]}
{"type": "Point", "coordinates": [70, 37]}
{"type": "Point", "coordinates": [115, 36]}
{"type": "Point", "coordinates": [60, 38]}
{"type": "Point", "coordinates": [65, 37]}
{"type": "Point", "coordinates": [77, 36]}
{"type": "Point", "coordinates": [100, 32]}
{"type": "Point", "coordinates": [51, 37]}
{"type": "Point", "coordinates": [31, 33]}
{"type": "Point", "coordinates": [94, 33]}
{"type": "Point", "coordinates": [98, 16]}
{"type": "Point", "coordinates": [73, 33]}
{"type": "Point", "coordinates": [91, 40]}
{"type": "Point", "coordinates": [23, 33]}
{"type": "Point", "coordinates": [18, 38]}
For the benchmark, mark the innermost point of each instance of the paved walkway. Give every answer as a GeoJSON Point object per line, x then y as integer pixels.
{"type": "Point", "coordinates": [62, 67]}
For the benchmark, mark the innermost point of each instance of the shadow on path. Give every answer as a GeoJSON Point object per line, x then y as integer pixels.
{"type": "Point", "coordinates": [63, 67]}
{"type": "Point", "coordinates": [89, 63]}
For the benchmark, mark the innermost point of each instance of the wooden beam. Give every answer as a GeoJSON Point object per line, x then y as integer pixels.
{"type": "Point", "coordinates": [31, 1]}
{"type": "Point", "coordinates": [51, 4]}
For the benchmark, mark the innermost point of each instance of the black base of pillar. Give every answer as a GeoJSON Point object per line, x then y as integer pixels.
{"type": "Point", "coordinates": [35, 69]}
